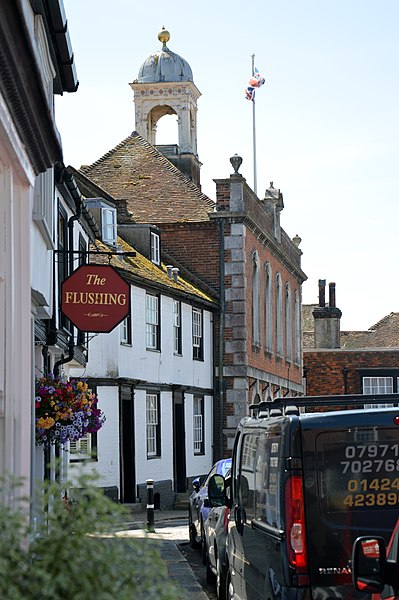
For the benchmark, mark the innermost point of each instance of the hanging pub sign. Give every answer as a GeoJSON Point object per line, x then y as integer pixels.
{"type": "Point", "coordinates": [95, 298]}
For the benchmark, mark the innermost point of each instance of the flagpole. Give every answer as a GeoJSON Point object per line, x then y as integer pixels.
{"type": "Point", "coordinates": [254, 129]}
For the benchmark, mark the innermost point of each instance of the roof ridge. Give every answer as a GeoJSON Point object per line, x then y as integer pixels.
{"type": "Point", "coordinates": [106, 155]}
{"type": "Point", "coordinates": [381, 321]}
{"type": "Point", "coordinates": [171, 166]}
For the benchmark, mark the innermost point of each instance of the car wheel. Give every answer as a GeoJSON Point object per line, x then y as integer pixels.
{"type": "Point", "coordinates": [229, 586]}
{"type": "Point", "coordinates": [210, 575]}
{"type": "Point", "coordinates": [220, 579]}
{"type": "Point", "coordinates": [203, 544]}
{"type": "Point", "coordinates": [192, 532]}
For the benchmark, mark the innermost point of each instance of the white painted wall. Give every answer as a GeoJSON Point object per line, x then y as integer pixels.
{"type": "Point", "coordinates": [16, 185]}
{"type": "Point", "coordinates": [111, 359]}
{"type": "Point", "coordinates": [107, 465]}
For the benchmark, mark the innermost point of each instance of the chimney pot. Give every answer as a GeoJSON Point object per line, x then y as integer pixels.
{"type": "Point", "coordinates": [169, 270]}
{"type": "Point", "coordinates": [331, 295]}
{"type": "Point", "coordinates": [175, 273]}
{"type": "Point", "coordinates": [322, 292]}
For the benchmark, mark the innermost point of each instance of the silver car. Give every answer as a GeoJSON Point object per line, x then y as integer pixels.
{"type": "Point", "coordinates": [214, 547]}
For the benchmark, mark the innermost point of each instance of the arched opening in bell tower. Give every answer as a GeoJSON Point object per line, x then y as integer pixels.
{"type": "Point", "coordinates": [167, 131]}
{"type": "Point", "coordinates": [163, 126]}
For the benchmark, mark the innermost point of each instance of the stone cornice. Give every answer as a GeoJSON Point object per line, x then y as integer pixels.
{"type": "Point", "coordinates": [264, 238]}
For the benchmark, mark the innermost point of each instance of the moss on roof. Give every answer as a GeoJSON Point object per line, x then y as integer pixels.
{"type": "Point", "coordinates": [144, 271]}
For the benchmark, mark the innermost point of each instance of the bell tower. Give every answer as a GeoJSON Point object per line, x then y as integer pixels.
{"type": "Point", "coordinates": [165, 86]}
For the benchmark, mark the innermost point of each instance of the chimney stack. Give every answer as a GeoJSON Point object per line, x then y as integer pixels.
{"type": "Point", "coordinates": [327, 319]}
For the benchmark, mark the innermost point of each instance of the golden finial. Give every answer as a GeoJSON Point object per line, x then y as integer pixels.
{"type": "Point", "coordinates": [164, 36]}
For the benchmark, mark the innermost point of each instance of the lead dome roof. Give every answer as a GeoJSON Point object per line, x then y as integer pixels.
{"type": "Point", "coordinates": [164, 65]}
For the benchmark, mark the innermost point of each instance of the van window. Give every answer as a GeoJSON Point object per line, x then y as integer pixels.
{"type": "Point", "coordinates": [247, 474]}
{"type": "Point", "coordinates": [258, 477]}
{"type": "Point", "coordinates": [358, 471]}
{"type": "Point", "coordinates": [267, 489]}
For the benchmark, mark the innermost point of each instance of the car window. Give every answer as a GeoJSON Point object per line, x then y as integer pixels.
{"type": "Point", "coordinates": [225, 467]}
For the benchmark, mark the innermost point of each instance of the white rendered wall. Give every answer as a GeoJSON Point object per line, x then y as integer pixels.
{"type": "Point", "coordinates": [108, 465]}
{"type": "Point", "coordinates": [16, 383]}
{"type": "Point", "coordinates": [156, 468]}
{"type": "Point", "coordinates": [198, 464]}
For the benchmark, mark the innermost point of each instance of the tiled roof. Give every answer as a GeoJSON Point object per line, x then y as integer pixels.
{"type": "Point", "coordinates": [384, 334]}
{"type": "Point", "coordinates": [142, 271]}
{"type": "Point", "coordinates": [154, 190]}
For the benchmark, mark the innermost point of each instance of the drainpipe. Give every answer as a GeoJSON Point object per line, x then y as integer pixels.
{"type": "Point", "coordinates": [221, 340]}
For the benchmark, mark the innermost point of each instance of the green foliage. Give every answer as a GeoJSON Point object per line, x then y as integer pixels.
{"type": "Point", "coordinates": [73, 553]}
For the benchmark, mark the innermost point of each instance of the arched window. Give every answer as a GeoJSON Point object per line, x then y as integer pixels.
{"type": "Point", "coordinates": [268, 308]}
{"type": "Point", "coordinates": [288, 322]}
{"type": "Point", "coordinates": [297, 328]}
{"type": "Point", "coordinates": [255, 299]}
{"type": "Point", "coordinates": [279, 316]}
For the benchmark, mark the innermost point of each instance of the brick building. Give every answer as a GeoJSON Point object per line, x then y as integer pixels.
{"type": "Point", "coordinates": [348, 362]}
{"type": "Point", "coordinates": [235, 249]}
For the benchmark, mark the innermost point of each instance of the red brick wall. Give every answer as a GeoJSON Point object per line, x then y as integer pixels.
{"type": "Point", "coordinates": [324, 370]}
{"type": "Point", "coordinates": [196, 246]}
{"type": "Point", "coordinates": [257, 357]}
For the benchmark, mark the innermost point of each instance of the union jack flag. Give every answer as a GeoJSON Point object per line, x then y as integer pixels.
{"type": "Point", "coordinates": [255, 82]}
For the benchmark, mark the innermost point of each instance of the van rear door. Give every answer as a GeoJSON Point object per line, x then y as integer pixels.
{"type": "Point", "coordinates": [351, 481]}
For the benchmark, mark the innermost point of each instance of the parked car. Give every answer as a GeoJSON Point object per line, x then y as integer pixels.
{"type": "Point", "coordinates": [304, 486]}
{"type": "Point", "coordinates": [215, 530]}
{"type": "Point", "coordinates": [198, 509]}
{"type": "Point", "coordinates": [375, 568]}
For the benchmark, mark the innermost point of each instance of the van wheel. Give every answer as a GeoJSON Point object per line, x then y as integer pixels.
{"type": "Point", "coordinates": [220, 580]}
{"type": "Point", "coordinates": [204, 551]}
{"type": "Point", "coordinates": [192, 533]}
{"type": "Point", "coordinates": [229, 586]}
{"type": "Point", "coordinates": [210, 575]}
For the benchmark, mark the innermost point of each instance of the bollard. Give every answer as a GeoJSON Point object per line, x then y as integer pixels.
{"type": "Point", "coordinates": [150, 505]}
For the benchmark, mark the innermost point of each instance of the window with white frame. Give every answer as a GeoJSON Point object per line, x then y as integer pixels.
{"type": "Point", "coordinates": [279, 316]}
{"type": "Point", "coordinates": [268, 305]}
{"type": "Point", "coordinates": [83, 449]}
{"type": "Point", "coordinates": [377, 385]}
{"type": "Point", "coordinates": [126, 331]}
{"type": "Point", "coordinates": [155, 251]}
{"type": "Point", "coordinates": [153, 425]}
{"type": "Point", "coordinates": [198, 352]}
{"type": "Point", "coordinates": [152, 322]}
{"type": "Point", "coordinates": [177, 347]}
{"type": "Point", "coordinates": [198, 425]}
{"type": "Point", "coordinates": [255, 299]}
{"type": "Point", "coordinates": [108, 216]}
{"type": "Point", "coordinates": [43, 204]}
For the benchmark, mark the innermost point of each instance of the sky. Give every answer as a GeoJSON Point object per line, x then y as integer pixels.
{"type": "Point", "coordinates": [327, 118]}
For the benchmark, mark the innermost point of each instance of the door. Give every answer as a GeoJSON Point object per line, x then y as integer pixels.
{"type": "Point", "coordinates": [179, 443]}
{"type": "Point", "coordinates": [127, 445]}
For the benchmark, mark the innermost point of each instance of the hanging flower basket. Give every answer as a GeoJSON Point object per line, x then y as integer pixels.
{"type": "Point", "coordinates": [65, 411]}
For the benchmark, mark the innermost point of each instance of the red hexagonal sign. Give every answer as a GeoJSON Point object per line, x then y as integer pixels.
{"type": "Point", "coordinates": [95, 298]}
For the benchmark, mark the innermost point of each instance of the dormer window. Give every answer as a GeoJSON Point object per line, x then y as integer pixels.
{"type": "Point", "coordinates": [155, 252]}
{"type": "Point", "coordinates": [108, 225]}
{"type": "Point", "coordinates": [104, 214]}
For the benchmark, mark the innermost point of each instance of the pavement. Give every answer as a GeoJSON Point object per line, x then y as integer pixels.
{"type": "Point", "coordinates": [170, 530]}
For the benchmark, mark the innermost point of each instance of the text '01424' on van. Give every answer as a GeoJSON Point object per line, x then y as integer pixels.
{"type": "Point", "coordinates": [306, 481]}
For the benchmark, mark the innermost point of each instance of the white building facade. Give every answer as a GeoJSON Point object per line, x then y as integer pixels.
{"type": "Point", "coordinates": [153, 375]}
{"type": "Point", "coordinates": [33, 67]}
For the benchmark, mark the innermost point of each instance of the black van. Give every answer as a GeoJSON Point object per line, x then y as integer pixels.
{"type": "Point", "coordinates": [304, 485]}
